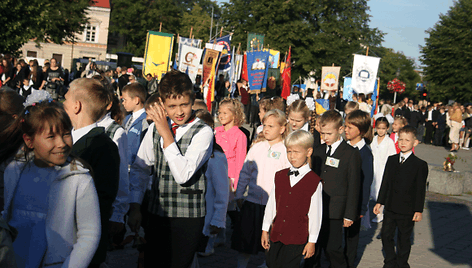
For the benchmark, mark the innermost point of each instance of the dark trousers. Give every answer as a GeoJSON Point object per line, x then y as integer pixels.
{"type": "Point", "coordinates": [438, 136]}
{"type": "Point", "coordinates": [404, 225]}
{"type": "Point", "coordinates": [284, 256]}
{"type": "Point", "coordinates": [172, 242]}
{"type": "Point", "coordinates": [331, 241]}
{"type": "Point", "coordinates": [428, 137]}
{"type": "Point", "coordinates": [247, 109]}
{"type": "Point", "coordinates": [351, 238]}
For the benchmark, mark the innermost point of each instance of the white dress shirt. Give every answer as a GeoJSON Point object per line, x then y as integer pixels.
{"type": "Point", "coordinates": [79, 133]}
{"type": "Point", "coordinates": [334, 146]}
{"type": "Point", "coordinates": [315, 212]}
{"type": "Point", "coordinates": [405, 156]}
{"type": "Point", "coordinates": [121, 204]}
{"type": "Point", "coordinates": [183, 167]}
{"type": "Point", "coordinates": [135, 116]}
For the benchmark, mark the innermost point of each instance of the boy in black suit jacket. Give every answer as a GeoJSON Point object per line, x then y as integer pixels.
{"type": "Point", "coordinates": [403, 193]}
{"type": "Point", "coordinates": [339, 166]}
{"type": "Point", "coordinates": [86, 103]}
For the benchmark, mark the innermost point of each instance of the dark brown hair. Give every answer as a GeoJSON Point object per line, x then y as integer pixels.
{"type": "Point", "coordinates": [331, 116]}
{"type": "Point", "coordinates": [175, 84]}
{"type": "Point", "coordinates": [408, 130]}
{"type": "Point", "coordinates": [135, 90]}
{"type": "Point", "coordinates": [362, 121]}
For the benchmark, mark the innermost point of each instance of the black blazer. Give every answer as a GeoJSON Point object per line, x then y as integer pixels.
{"type": "Point", "coordinates": [341, 185]}
{"type": "Point", "coordinates": [404, 186]}
{"type": "Point", "coordinates": [101, 153]}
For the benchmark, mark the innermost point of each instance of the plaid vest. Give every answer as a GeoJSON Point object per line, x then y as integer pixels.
{"type": "Point", "coordinates": [111, 129]}
{"type": "Point", "coordinates": [167, 197]}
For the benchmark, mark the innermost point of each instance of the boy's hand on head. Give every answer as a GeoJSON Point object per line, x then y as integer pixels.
{"type": "Point", "coordinates": [377, 208]}
{"type": "Point", "coordinates": [309, 250]}
{"type": "Point", "coordinates": [265, 240]}
{"type": "Point", "coordinates": [417, 217]}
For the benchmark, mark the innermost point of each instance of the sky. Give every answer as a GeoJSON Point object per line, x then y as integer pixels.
{"type": "Point", "coordinates": [405, 22]}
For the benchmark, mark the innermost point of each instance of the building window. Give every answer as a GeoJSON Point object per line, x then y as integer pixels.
{"type": "Point", "coordinates": [90, 33]}
{"type": "Point", "coordinates": [31, 54]}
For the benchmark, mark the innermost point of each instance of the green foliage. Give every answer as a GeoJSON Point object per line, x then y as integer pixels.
{"type": "Point", "coordinates": [320, 32]}
{"type": "Point", "coordinates": [390, 62]}
{"type": "Point", "coordinates": [43, 20]}
{"type": "Point", "coordinates": [447, 55]}
{"type": "Point", "coordinates": [199, 19]}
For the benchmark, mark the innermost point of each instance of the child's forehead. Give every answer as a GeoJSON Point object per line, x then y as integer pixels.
{"type": "Point", "coordinates": [174, 99]}
{"type": "Point", "coordinates": [297, 147]}
{"type": "Point", "coordinates": [407, 134]}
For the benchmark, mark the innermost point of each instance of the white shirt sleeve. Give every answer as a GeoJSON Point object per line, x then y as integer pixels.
{"type": "Point", "coordinates": [315, 214]}
{"type": "Point", "coordinates": [183, 167]}
{"type": "Point", "coordinates": [141, 167]}
{"type": "Point", "coordinates": [121, 204]}
{"type": "Point", "coordinates": [270, 211]}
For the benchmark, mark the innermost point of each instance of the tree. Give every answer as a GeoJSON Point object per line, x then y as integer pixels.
{"type": "Point", "coordinates": [320, 32]}
{"type": "Point", "coordinates": [134, 19]}
{"type": "Point", "coordinates": [447, 54]}
{"type": "Point", "coordinates": [42, 20]}
{"type": "Point", "coordinates": [199, 20]}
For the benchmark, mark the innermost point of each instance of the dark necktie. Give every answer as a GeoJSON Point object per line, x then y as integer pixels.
{"type": "Point", "coordinates": [128, 124]}
{"type": "Point", "coordinates": [329, 151]}
{"type": "Point", "coordinates": [402, 159]}
{"type": "Point", "coordinates": [174, 126]}
{"type": "Point", "coordinates": [295, 172]}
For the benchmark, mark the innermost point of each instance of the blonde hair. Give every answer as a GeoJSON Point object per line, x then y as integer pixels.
{"type": "Point", "coordinates": [268, 104]}
{"type": "Point", "coordinates": [236, 108]}
{"type": "Point", "coordinates": [299, 106]}
{"type": "Point", "coordinates": [351, 106]}
{"type": "Point", "coordinates": [281, 120]}
{"type": "Point", "coordinates": [301, 138]}
{"type": "Point", "coordinates": [92, 94]}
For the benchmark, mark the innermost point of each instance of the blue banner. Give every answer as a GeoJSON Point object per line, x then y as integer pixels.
{"type": "Point", "coordinates": [257, 67]}
{"type": "Point", "coordinates": [347, 89]}
{"type": "Point", "coordinates": [324, 103]}
{"type": "Point", "coordinates": [374, 99]}
{"type": "Point", "coordinates": [225, 58]}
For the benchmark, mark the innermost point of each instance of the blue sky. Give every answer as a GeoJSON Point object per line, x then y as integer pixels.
{"type": "Point", "coordinates": [405, 22]}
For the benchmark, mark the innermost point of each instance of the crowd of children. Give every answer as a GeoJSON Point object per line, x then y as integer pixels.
{"type": "Point", "coordinates": [299, 186]}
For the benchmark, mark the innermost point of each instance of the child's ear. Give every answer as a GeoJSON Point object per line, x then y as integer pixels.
{"type": "Point", "coordinates": [309, 152]}
{"type": "Point", "coordinates": [415, 143]}
{"type": "Point", "coordinates": [341, 130]}
{"type": "Point", "coordinates": [28, 141]}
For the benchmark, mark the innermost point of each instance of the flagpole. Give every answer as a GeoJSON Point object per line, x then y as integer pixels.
{"type": "Point", "coordinates": [191, 29]}
{"type": "Point", "coordinates": [160, 27]}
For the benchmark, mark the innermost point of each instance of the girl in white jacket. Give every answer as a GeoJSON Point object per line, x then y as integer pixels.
{"type": "Point", "coordinates": [50, 197]}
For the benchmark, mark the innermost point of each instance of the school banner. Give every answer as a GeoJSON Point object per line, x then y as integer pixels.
{"type": "Point", "coordinates": [158, 53]}
{"type": "Point", "coordinates": [257, 66]}
{"type": "Point", "coordinates": [225, 58]}
{"type": "Point", "coordinates": [347, 89]}
{"type": "Point", "coordinates": [238, 67]}
{"type": "Point", "coordinates": [216, 47]}
{"type": "Point", "coordinates": [330, 78]}
{"type": "Point", "coordinates": [364, 73]}
{"type": "Point", "coordinates": [274, 58]}
{"type": "Point", "coordinates": [209, 62]}
{"type": "Point", "coordinates": [323, 103]}
{"type": "Point", "coordinates": [183, 41]}
{"type": "Point", "coordinates": [255, 41]}
{"type": "Point", "coordinates": [189, 60]}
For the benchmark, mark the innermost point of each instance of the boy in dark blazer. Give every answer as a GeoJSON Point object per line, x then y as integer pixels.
{"type": "Point", "coordinates": [440, 127]}
{"type": "Point", "coordinates": [85, 103]}
{"type": "Point", "coordinates": [402, 193]}
{"type": "Point", "coordinates": [339, 166]}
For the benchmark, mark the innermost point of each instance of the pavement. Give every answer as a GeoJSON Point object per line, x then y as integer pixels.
{"type": "Point", "coordinates": [442, 239]}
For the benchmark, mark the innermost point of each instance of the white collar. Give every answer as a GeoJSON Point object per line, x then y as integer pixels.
{"type": "Point", "coordinates": [303, 169]}
{"type": "Point", "coordinates": [306, 127]}
{"type": "Point", "coordinates": [79, 133]}
{"type": "Point", "coordinates": [358, 145]}
{"type": "Point", "coordinates": [335, 145]}
{"type": "Point", "coordinates": [138, 113]}
{"type": "Point", "coordinates": [105, 121]}
{"type": "Point", "coordinates": [405, 155]}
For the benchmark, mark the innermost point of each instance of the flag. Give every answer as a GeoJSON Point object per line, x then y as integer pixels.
{"type": "Point", "coordinates": [158, 53]}
{"type": "Point", "coordinates": [364, 73]}
{"type": "Point", "coordinates": [330, 78]}
{"type": "Point", "coordinates": [347, 89]}
{"type": "Point", "coordinates": [244, 74]}
{"type": "Point", "coordinates": [255, 41]}
{"type": "Point", "coordinates": [187, 42]}
{"type": "Point", "coordinates": [210, 97]}
{"type": "Point", "coordinates": [274, 57]}
{"type": "Point", "coordinates": [190, 60]}
{"type": "Point", "coordinates": [257, 67]}
{"type": "Point", "coordinates": [375, 97]}
{"type": "Point", "coordinates": [318, 107]}
{"type": "Point", "coordinates": [287, 76]}
{"type": "Point", "coordinates": [225, 58]}
{"type": "Point", "coordinates": [209, 63]}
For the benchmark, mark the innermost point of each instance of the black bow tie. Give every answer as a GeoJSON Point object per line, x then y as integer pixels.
{"type": "Point", "coordinates": [295, 172]}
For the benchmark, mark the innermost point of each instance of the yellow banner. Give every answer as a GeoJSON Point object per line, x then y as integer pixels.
{"type": "Point", "coordinates": [158, 53]}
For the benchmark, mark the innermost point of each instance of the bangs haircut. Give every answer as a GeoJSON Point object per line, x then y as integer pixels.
{"type": "Point", "coordinates": [300, 138]}
{"type": "Point", "coordinates": [409, 130]}
{"type": "Point", "coordinates": [382, 120]}
{"type": "Point", "coordinates": [331, 116]}
{"type": "Point", "coordinates": [135, 90]}
{"type": "Point", "coordinates": [92, 94]}
{"type": "Point", "coordinates": [175, 84]}
{"type": "Point", "coordinates": [280, 117]}
{"type": "Point", "coordinates": [360, 119]}
{"type": "Point", "coordinates": [236, 108]}
{"type": "Point", "coordinates": [43, 115]}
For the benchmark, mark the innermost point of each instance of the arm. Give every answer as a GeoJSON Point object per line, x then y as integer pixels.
{"type": "Point", "coordinates": [315, 214]}
{"type": "Point", "coordinates": [121, 204]}
{"type": "Point", "coordinates": [241, 145]}
{"type": "Point", "coordinates": [269, 215]}
{"type": "Point", "coordinates": [88, 225]}
{"type": "Point", "coordinates": [247, 172]}
{"type": "Point", "coordinates": [421, 178]}
{"type": "Point", "coordinates": [368, 172]}
{"type": "Point", "coordinates": [384, 188]}
{"type": "Point", "coordinates": [353, 186]}
{"type": "Point", "coordinates": [219, 177]}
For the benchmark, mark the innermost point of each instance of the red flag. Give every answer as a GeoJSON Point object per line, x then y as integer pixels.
{"type": "Point", "coordinates": [287, 76]}
{"type": "Point", "coordinates": [244, 69]}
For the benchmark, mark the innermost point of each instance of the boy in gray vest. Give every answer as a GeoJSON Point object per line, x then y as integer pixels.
{"type": "Point", "coordinates": [178, 144]}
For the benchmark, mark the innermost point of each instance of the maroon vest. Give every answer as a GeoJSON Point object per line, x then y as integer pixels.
{"type": "Point", "coordinates": [290, 225]}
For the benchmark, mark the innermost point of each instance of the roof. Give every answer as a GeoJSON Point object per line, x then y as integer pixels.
{"type": "Point", "coordinates": [101, 3]}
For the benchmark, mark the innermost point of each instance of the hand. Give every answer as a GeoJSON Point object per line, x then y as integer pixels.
{"type": "Point", "coordinates": [377, 208]}
{"type": "Point", "coordinates": [347, 223]}
{"type": "Point", "coordinates": [158, 114]}
{"type": "Point", "coordinates": [214, 229]}
{"type": "Point", "coordinates": [417, 217]}
{"type": "Point", "coordinates": [135, 217]}
{"type": "Point", "coordinates": [265, 240]}
{"type": "Point", "coordinates": [116, 227]}
{"type": "Point", "coordinates": [309, 250]}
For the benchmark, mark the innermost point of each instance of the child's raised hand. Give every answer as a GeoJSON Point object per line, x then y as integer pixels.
{"type": "Point", "coordinates": [265, 240]}
{"type": "Point", "coordinates": [417, 217]}
{"type": "Point", "coordinates": [377, 208]}
{"type": "Point", "coordinates": [309, 250]}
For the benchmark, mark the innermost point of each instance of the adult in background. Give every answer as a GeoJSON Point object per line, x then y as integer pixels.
{"type": "Point", "coordinates": [151, 84]}
{"type": "Point", "coordinates": [53, 80]}
{"type": "Point", "coordinates": [406, 109]}
{"type": "Point", "coordinates": [456, 124]}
